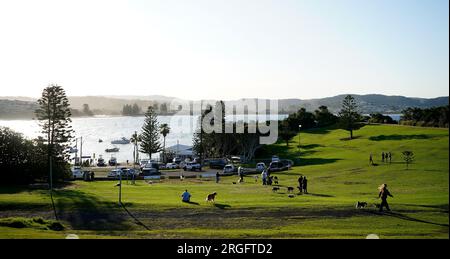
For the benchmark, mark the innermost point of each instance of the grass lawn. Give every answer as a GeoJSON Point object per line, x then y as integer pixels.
{"type": "Point", "coordinates": [338, 173]}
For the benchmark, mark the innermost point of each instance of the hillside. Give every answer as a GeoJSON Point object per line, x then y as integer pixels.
{"type": "Point", "coordinates": [17, 107]}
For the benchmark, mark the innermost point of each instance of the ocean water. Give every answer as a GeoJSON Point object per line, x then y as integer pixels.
{"type": "Point", "coordinates": [109, 128]}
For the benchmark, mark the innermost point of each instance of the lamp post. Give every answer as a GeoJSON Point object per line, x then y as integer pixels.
{"type": "Point", "coordinates": [299, 128]}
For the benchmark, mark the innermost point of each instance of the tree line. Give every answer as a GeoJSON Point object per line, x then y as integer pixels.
{"type": "Point", "coordinates": [429, 117]}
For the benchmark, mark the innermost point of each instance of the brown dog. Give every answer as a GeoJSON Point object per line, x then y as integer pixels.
{"type": "Point", "coordinates": [211, 197]}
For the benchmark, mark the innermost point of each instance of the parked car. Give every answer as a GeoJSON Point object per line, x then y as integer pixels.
{"type": "Point", "coordinates": [275, 158]}
{"type": "Point", "coordinates": [112, 161]}
{"type": "Point", "coordinates": [149, 171]}
{"type": "Point", "coordinates": [176, 160]}
{"type": "Point", "coordinates": [260, 167]}
{"type": "Point", "coordinates": [277, 166]}
{"type": "Point", "coordinates": [230, 168]}
{"type": "Point", "coordinates": [287, 163]}
{"type": "Point", "coordinates": [192, 166]}
{"type": "Point", "coordinates": [143, 162]}
{"type": "Point", "coordinates": [114, 173]}
{"type": "Point", "coordinates": [129, 172]}
{"type": "Point", "coordinates": [172, 166]}
{"type": "Point", "coordinates": [217, 163]}
{"type": "Point", "coordinates": [77, 173]}
{"type": "Point", "coordinates": [161, 166]}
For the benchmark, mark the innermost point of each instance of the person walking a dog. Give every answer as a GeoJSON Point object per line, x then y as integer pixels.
{"type": "Point", "coordinates": [383, 194]}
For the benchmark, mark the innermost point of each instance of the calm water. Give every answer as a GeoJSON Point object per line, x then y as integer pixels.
{"type": "Point", "coordinates": [111, 128]}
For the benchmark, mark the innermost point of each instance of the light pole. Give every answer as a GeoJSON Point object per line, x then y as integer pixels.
{"type": "Point", "coordinates": [299, 128]}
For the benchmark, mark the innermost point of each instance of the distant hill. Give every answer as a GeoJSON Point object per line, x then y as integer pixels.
{"type": "Point", "coordinates": [23, 107]}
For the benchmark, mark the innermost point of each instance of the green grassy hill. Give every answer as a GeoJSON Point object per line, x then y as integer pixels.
{"type": "Point", "coordinates": [339, 175]}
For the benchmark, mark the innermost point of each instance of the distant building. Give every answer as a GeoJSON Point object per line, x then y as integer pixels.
{"type": "Point", "coordinates": [181, 151]}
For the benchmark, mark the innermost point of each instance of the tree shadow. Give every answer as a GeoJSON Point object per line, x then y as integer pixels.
{"type": "Point", "coordinates": [319, 195]}
{"type": "Point", "coordinates": [349, 139]}
{"type": "Point", "coordinates": [83, 211]}
{"type": "Point", "coordinates": [442, 207]}
{"type": "Point", "coordinates": [136, 220]}
{"type": "Point", "coordinates": [221, 206]}
{"type": "Point", "coordinates": [399, 137]}
{"type": "Point", "coordinates": [317, 161]}
{"type": "Point", "coordinates": [310, 146]}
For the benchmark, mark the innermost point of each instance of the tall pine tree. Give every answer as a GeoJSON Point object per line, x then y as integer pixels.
{"type": "Point", "coordinates": [349, 117]}
{"type": "Point", "coordinates": [150, 134]}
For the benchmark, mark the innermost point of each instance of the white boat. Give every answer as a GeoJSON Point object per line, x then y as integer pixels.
{"type": "Point", "coordinates": [121, 141]}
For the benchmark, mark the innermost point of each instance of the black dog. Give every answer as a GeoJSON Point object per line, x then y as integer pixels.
{"type": "Point", "coordinates": [361, 204]}
{"type": "Point", "coordinates": [275, 180]}
{"type": "Point", "coordinates": [290, 189]}
{"type": "Point", "coordinates": [275, 189]}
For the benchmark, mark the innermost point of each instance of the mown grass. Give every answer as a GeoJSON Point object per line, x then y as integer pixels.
{"type": "Point", "coordinates": [338, 171]}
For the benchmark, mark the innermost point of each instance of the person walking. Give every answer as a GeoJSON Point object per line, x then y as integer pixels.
{"type": "Point", "coordinates": [305, 185]}
{"type": "Point", "coordinates": [390, 157]}
{"type": "Point", "coordinates": [382, 157]}
{"type": "Point", "coordinates": [383, 194]}
{"type": "Point", "coordinates": [371, 159]}
{"type": "Point", "coordinates": [264, 177]}
{"type": "Point", "coordinates": [217, 177]}
{"type": "Point", "coordinates": [300, 183]}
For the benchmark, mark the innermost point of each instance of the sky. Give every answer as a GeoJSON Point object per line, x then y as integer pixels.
{"type": "Point", "coordinates": [225, 49]}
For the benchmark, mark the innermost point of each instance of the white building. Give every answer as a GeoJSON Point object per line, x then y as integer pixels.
{"type": "Point", "coordinates": [181, 151]}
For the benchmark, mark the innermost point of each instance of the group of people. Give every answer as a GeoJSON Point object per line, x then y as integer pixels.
{"type": "Point", "coordinates": [266, 178]}
{"type": "Point", "coordinates": [385, 157]}
{"type": "Point", "coordinates": [303, 184]}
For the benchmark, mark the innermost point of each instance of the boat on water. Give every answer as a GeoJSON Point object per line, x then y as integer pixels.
{"type": "Point", "coordinates": [123, 140]}
{"type": "Point", "coordinates": [114, 149]}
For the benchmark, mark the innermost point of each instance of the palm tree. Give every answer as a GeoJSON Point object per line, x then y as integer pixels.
{"type": "Point", "coordinates": [135, 139]}
{"type": "Point", "coordinates": [164, 130]}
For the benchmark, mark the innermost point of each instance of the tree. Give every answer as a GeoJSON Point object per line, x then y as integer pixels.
{"type": "Point", "coordinates": [324, 117]}
{"type": "Point", "coordinates": [135, 139]}
{"type": "Point", "coordinates": [164, 130]}
{"type": "Point", "coordinates": [285, 133]}
{"type": "Point", "coordinates": [349, 117]}
{"type": "Point", "coordinates": [408, 156]}
{"type": "Point", "coordinates": [54, 118]}
{"type": "Point", "coordinates": [150, 133]}
{"type": "Point", "coordinates": [86, 110]}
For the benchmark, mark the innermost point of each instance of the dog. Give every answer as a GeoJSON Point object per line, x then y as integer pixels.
{"type": "Point", "coordinates": [256, 178]}
{"type": "Point", "coordinates": [211, 197]}
{"type": "Point", "coordinates": [275, 180]}
{"type": "Point", "coordinates": [290, 189]}
{"type": "Point", "coordinates": [275, 189]}
{"type": "Point", "coordinates": [234, 182]}
{"type": "Point", "coordinates": [361, 204]}
{"type": "Point", "coordinates": [291, 196]}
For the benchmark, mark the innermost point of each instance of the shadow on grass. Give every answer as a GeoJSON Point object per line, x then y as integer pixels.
{"type": "Point", "coordinates": [405, 217]}
{"type": "Point", "coordinates": [221, 206]}
{"type": "Point", "coordinates": [319, 195]}
{"type": "Point", "coordinates": [443, 207]}
{"type": "Point", "coordinates": [317, 161]}
{"type": "Point", "coordinates": [84, 211]}
{"type": "Point", "coordinates": [136, 220]}
{"type": "Point", "coordinates": [400, 137]}
{"type": "Point", "coordinates": [191, 202]}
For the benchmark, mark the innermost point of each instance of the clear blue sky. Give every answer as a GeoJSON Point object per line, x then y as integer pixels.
{"type": "Point", "coordinates": [226, 49]}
